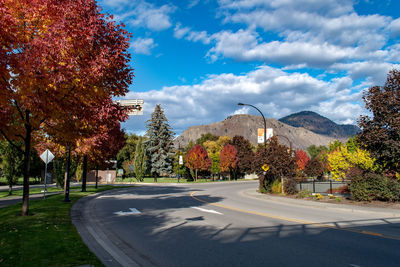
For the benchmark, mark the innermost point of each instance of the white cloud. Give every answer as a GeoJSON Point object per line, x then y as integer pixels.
{"type": "Point", "coordinates": [276, 92]}
{"type": "Point", "coordinates": [140, 13]}
{"type": "Point", "coordinates": [188, 34]}
{"type": "Point", "coordinates": [143, 45]}
{"type": "Point", "coordinates": [394, 27]}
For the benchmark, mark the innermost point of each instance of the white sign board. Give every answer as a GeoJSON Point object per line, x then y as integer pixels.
{"type": "Point", "coordinates": [47, 156]}
{"type": "Point", "coordinates": [180, 160]}
{"type": "Point", "coordinates": [260, 134]}
{"type": "Point", "coordinates": [133, 106]}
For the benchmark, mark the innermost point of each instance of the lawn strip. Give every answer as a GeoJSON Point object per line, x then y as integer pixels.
{"type": "Point", "coordinates": [47, 236]}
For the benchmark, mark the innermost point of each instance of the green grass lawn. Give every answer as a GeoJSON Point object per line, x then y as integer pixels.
{"type": "Point", "coordinates": [33, 191]}
{"type": "Point", "coordinates": [47, 236]}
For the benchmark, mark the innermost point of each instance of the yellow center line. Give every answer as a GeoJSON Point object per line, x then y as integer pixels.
{"type": "Point", "coordinates": [322, 225]}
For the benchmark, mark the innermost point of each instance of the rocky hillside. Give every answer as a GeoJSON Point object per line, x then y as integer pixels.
{"type": "Point", "coordinates": [319, 124]}
{"type": "Point", "coordinates": [246, 126]}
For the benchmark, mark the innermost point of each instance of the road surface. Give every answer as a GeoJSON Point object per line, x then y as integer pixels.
{"type": "Point", "coordinates": [229, 224]}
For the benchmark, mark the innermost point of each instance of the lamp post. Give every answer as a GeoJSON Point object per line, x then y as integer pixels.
{"type": "Point", "coordinates": [290, 143]}
{"type": "Point", "coordinates": [265, 123]}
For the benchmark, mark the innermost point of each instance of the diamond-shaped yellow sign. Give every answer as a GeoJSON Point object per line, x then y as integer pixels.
{"type": "Point", "coordinates": [265, 167]}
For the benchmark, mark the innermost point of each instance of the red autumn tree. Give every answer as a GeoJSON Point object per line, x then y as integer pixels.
{"type": "Point", "coordinates": [301, 159]}
{"type": "Point", "coordinates": [228, 159]}
{"type": "Point", "coordinates": [197, 159]}
{"type": "Point", "coordinates": [245, 155]}
{"type": "Point", "coordinates": [62, 59]}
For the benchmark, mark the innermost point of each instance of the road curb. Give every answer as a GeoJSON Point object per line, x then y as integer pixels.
{"type": "Point", "coordinates": [106, 245]}
{"type": "Point", "coordinates": [321, 205]}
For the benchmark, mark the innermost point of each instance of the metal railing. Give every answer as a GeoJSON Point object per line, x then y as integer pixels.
{"type": "Point", "coordinates": [327, 187]}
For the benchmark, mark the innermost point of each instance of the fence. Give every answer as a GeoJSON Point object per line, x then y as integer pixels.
{"type": "Point", "coordinates": [329, 187]}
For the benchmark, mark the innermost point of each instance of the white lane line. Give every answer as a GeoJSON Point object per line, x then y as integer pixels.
{"type": "Point", "coordinates": [209, 211]}
{"type": "Point", "coordinates": [132, 211]}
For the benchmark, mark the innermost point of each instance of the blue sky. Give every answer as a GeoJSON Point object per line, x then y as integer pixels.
{"type": "Point", "coordinates": [198, 59]}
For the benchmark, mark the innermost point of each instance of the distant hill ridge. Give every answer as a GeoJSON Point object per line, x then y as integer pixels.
{"type": "Point", "coordinates": [246, 126]}
{"type": "Point", "coordinates": [319, 124]}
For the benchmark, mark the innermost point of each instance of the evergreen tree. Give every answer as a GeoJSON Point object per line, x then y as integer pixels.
{"type": "Point", "coordinates": [159, 144]}
{"type": "Point", "coordinates": [139, 165]}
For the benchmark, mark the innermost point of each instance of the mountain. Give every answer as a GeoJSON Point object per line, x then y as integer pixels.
{"type": "Point", "coordinates": [246, 126]}
{"type": "Point", "coordinates": [319, 124]}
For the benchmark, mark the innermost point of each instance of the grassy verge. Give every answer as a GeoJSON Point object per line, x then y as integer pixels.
{"type": "Point", "coordinates": [33, 191]}
{"type": "Point", "coordinates": [45, 238]}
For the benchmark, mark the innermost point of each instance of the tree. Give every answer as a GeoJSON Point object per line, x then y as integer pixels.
{"type": "Point", "coordinates": [159, 145]}
{"type": "Point", "coordinates": [279, 160]}
{"type": "Point", "coordinates": [314, 150]}
{"type": "Point", "coordinates": [342, 159]}
{"type": "Point", "coordinates": [301, 159]}
{"type": "Point", "coordinates": [228, 159]}
{"type": "Point", "coordinates": [197, 159]}
{"type": "Point", "coordinates": [61, 59]}
{"type": "Point", "coordinates": [213, 150]}
{"type": "Point", "coordinates": [245, 154]}
{"type": "Point", "coordinates": [139, 165]}
{"type": "Point", "coordinates": [380, 134]}
{"type": "Point", "coordinates": [314, 168]}
{"type": "Point", "coordinates": [126, 154]}
{"type": "Point", "coordinates": [11, 163]}
{"type": "Point", "coordinates": [206, 137]}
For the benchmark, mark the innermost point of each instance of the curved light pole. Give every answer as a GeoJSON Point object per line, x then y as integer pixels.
{"type": "Point", "coordinates": [265, 123]}
{"type": "Point", "coordinates": [290, 143]}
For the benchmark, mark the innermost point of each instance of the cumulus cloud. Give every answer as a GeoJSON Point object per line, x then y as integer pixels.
{"type": "Point", "coordinates": [191, 35]}
{"type": "Point", "coordinates": [140, 13]}
{"type": "Point", "coordinates": [394, 27]}
{"type": "Point", "coordinates": [276, 92]}
{"type": "Point", "coordinates": [143, 45]}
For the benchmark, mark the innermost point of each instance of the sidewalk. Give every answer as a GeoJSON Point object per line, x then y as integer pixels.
{"type": "Point", "coordinates": [390, 212]}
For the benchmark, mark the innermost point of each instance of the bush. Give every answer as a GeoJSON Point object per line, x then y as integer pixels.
{"type": "Point", "coordinates": [304, 194]}
{"type": "Point", "coordinates": [289, 186]}
{"type": "Point", "coordinates": [276, 187]}
{"type": "Point", "coordinates": [372, 186]}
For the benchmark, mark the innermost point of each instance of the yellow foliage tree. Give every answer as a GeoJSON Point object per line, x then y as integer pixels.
{"type": "Point", "coordinates": [341, 159]}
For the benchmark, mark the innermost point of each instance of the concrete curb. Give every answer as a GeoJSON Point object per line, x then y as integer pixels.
{"type": "Point", "coordinates": [106, 245]}
{"type": "Point", "coordinates": [321, 205]}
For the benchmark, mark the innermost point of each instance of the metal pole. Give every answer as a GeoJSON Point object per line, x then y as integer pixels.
{"type": "Point", "coordinates": [67, 180]}
{"type": "Point", "coordinates": [262, 115]}
{"type": "Point", "coordinates": [45, 176]}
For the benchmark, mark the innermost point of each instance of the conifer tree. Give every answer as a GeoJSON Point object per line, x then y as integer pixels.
{"type": "Point", "coordinates": [159, 144]}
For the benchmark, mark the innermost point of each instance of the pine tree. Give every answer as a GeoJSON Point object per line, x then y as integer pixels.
{"type": "Point", "coordinates": [159, 144]}
{"type": "Point", "coordinates": [139, 164]}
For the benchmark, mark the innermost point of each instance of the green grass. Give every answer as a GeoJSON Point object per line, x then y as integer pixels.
{"type": "Point", "coordinates": [47, 236]}
{"type": "Point", "coordinates": [33, 191]}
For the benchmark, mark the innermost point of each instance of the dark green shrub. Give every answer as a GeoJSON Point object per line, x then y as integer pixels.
{"type": "Point", "coordinates": [289, 186]}
{"type": "Point", "coordinates": [372, 186]}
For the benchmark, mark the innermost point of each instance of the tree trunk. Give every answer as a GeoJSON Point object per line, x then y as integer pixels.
{"type": "Point", "coordinates": [67, 180]}
{"type": "Point", "coordinates": [195, 176]}
{"type": "Point", "coordinates": [10, 189]}
{"type": "Point", "coordinates": [27, 161]}
{"type": "Point", "coordinates": [97, 174]}
{"type": "Point", "coordinates": [84, 173]}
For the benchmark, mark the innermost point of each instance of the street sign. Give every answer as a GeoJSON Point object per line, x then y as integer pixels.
{"type": "Point", "coordinates": [47, 156]}
{"type": "Point", "coordinates": [260, 134]}
{"type": "Point", "coordinates": [132, 106]}
{"type": "Point", "coordinates": [265, 167]}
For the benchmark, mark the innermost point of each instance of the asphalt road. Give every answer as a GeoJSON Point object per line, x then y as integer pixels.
{"type": "Point", "coordinates": [229, 224]}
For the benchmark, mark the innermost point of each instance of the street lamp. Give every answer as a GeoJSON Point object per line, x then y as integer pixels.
{"type": "Point", "coordinates": [265, 123]}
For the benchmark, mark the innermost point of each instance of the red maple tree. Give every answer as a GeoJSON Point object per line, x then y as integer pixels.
{"type": "Point", "coordinates": [59, 60]}
{"type": "Point", "coordinates": [197, 159]}
{"type": "Point", "coordinates": [301, 159]}
{"type": "Point", "coordinates": [228, 159]}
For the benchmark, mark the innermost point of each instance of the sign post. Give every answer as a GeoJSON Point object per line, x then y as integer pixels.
{"type": "Point", "coordinates": [47, 157]}
{"type": "Point", "coordinates": [179, 168]}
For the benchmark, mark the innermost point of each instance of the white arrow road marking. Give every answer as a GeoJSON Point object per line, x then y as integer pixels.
{"type": "Point", "coordinates": [209, 211]}
{"type": "Point", "coordinates": [132, 211]}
